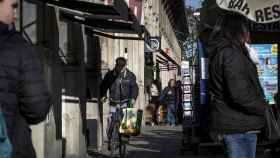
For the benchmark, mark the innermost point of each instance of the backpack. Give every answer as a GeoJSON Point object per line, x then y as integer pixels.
{"type": "Point", "coordinates": [5, 144]}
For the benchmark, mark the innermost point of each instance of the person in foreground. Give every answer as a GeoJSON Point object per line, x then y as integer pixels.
{"type": "Point", "coordinates": [237, 100]}
{"type": "Point", "coordinates": [24, 97]}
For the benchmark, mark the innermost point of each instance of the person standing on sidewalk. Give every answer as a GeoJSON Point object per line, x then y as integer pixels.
{"type": "Point", "coordinates": [168, 97]}
{"type": "Point", "coordinates": [236, 97]}
{"type": "Point", "coordinates": [24, 97]}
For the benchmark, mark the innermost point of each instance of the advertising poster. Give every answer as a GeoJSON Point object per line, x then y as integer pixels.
{"type": "Point", "coordinates": [187, 88]}
{"type": "Point", "coordinates": [268, 69]}
{"type": "Point", "coordinates": [187, 106]}
{"type": "Point", "coordinates": [186, 80]}
{"type": "Point", "coordinates": [187, 97]}
{"type": "Point", "coordinates": [185, 68]}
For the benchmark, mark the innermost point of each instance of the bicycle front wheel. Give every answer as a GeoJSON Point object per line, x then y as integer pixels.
{"type": "Point", "coordinates": [114, 142]}
{"type": "Point", "coordinates": [122, 148]}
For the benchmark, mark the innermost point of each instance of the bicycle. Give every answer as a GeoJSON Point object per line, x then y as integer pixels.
{"type": "Point", "coordinates": [117, 142]}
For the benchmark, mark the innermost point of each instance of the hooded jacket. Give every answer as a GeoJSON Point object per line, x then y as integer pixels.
{"type": "Point", "coordinates": [237, 99]}
{"type": "Point", "coordinates": [24, 97]}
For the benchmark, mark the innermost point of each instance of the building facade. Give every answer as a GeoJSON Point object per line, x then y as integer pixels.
{"type": "Point", "coordinates": [78, 45]}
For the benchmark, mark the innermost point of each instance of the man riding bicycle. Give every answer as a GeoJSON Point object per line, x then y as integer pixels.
{"type": "Point", "coordinates": [123, 89]}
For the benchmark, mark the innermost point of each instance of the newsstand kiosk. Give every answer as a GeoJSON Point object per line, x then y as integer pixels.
{"type": "Point", "coordinates": [265, 39]}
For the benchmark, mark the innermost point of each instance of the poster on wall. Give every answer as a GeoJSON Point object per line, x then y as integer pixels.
{"type": "Point", "coordinates": [187, 106]}
{"type": "Point", "coordinates": [187, 89]}
{"type": "Point", "coordinates": [185, 72]}
{"type": "Point", "coordinates": [187, 97]}
{"type": "Point", "coordinates": [186, 80]}
{"type": "Point", "coordinates": [185, 68]}
{"type": "Point", "coordinates": [268, 69]}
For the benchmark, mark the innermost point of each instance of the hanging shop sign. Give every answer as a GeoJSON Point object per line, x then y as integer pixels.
{"type": "Point", "coordinates": [155, 43]}
{"type": "Point", "coordinates": [152, 44]}
{"type": "Point", "coordinates": [260, 11]}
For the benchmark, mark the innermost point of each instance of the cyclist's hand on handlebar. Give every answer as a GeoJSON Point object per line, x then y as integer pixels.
{"type": "Point", "coordinates": [103, 99]}
{"type": "Point", "coordinates": [132, 101]}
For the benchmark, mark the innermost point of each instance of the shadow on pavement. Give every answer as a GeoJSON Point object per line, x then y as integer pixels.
{"type": "Point", "coordinates": [163, 142]}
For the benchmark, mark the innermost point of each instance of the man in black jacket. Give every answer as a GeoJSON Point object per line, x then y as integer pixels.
{"type": "Point", "coordinates": [122, 86]}
{"type": "Point", "coordinates": [23, 93]}
{"type": "Point", "coordinates": [237, 99]}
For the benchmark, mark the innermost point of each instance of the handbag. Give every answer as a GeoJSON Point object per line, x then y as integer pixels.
{"type": "Point", "coordinates": [272, 124]}
{"type": "Point", "coordinates": [132, 122]}
{"type": "Point", "coordinates": [5, 144]}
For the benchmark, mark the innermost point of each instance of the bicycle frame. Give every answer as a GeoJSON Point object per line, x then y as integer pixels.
{"type": "Point", "coordinates": [116, 140]}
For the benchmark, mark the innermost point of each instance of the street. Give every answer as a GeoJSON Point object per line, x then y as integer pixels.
{"type": "Point", "coordinates": [165, 142]}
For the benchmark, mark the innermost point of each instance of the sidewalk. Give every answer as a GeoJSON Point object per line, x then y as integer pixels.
{"type": "Point", "coordinates": [163, 142]}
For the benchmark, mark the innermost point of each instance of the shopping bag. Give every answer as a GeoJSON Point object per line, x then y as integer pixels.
{"type": "Point", "coordinates": [5, 144]}
{"type": "Point", "coordinates": [131, 122]}
{"type": "Point", "coordinates": [272, 126]}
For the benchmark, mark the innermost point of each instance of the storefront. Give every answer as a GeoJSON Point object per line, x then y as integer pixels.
{"type": "Point", "coordinates": [265, 40]}
{"type": "Point", "coordinates": [71, 37]}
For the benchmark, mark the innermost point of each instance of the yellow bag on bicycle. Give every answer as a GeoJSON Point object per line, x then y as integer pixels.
{"type": "Point", "coordinates": [131, 122]}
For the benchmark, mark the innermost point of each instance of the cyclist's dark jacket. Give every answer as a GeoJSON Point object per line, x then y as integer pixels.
{"type": "Point", "coordinates": [121, 86]}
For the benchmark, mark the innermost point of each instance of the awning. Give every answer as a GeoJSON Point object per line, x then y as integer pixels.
{"type": "Point", "coordinates": [104, 25]}
{"type": "Point", "coordinates": [166, 62]}
{"type": "Point", "coordinates": [261, 11]}
{"type": "Point", "coordinates": [168, 58]}
{"type": "Point", "coordinates": [153, 45]}
{"type": "Point", "coordinates": [115, 17]}
{"type": "Point", "coordinates": [117, 7]}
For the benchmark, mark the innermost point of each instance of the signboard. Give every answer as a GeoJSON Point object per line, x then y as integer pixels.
{"type": "Point", "coordinates": [152, 44]}
{"type": "Point", "coordinates": [261, 11]}
{"type": "Point", "coordinates": [270, 27]}
{"type": "Point", "coordinates": [187, 98]}
{"type": "Point", "coordinates": [268, 69]}
{"type": "Point", "coordinates": [187, 106]}
{"type": "Point", "coordinates": [186, 80]}
{"type": "Point", "coordinates": [185, 69]}
{"type": "Point", "coordinates": [155, 43]}
{"type": "Point", "coordinates": [185, 65]}
{"type": "Point", "coordinates": [186, 88]}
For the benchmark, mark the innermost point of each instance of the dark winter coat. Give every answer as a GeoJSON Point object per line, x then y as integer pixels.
{"type": "Point", "coordinates": [121, 86]}
{"type": "Point", "coordinates": [168, 96]}
{"type": "Point", "coordinates": [237, 99]}
{"type": "Point", "coordinates": [23, 93]}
